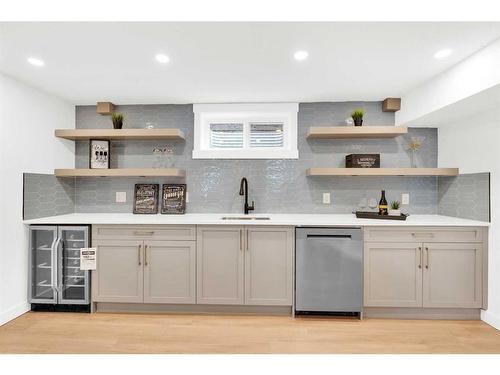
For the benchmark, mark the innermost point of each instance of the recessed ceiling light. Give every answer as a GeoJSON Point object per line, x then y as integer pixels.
{"type": "Point", "coordinates": [442, 53]}
{"type": "Point", "coordinates": [162, 58]}
{"type": "Point", "coordinates": [301, 55]}
{"type": "Point", "coordinates": [35, 61]}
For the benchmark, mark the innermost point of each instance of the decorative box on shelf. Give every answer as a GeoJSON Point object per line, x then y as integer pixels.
{"type": "Point", "coordinates": [362, 161]}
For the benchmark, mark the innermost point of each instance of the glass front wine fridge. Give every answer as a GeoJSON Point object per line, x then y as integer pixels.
{"type": "Point", "coordinates": [55, 275]}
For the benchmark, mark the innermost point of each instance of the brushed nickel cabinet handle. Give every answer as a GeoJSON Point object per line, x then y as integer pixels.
{"type": "Point", "coordinates": [427, 263]}
{"type": "Point", "coordinates": [420, 252]}
{"type": "Point", "coordinates": [241, 239]}
{"type": "Point", "coordinates": [422, 234]}
{"type": "Point", "coordinates": [139, 254]}
{"type": "Point", "coordinates": [145, 255]}
{"type": "Point", "coordinates": [144, 232]}
{"type": "Point", "coordinates": [247, 240]}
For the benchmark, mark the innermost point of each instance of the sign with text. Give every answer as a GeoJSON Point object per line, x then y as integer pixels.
{"type": "Point", "coordinates": [88, 258]}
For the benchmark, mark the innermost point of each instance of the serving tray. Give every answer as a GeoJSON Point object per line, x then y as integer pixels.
{"type": "Point", "coordinates": [375, 215]}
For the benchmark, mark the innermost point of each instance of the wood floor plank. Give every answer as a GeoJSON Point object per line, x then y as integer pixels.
{"type": "Point", "coordinates": [148, 333]}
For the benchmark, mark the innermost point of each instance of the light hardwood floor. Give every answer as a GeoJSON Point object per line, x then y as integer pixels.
{"type": "Point", "coordinates": [145, 333]}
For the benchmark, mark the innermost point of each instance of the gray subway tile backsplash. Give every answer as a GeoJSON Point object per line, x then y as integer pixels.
{"type": "Point", "coordinates": [278, 185]}
{"type": "Point", "coordinates": [466, 196]}
{"type": "Point", "coordinates": [46, 195]}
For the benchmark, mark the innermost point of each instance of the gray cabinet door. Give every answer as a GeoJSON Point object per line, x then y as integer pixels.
{"type": "Point", "coordinates": [452, 275]}
{"type": "Point", "coordinates": [393, 274]}
{"type": "Point", "coordinates": [119, 274]}
{"type": "Point", "coordinates": [268, 266]}
{"type": "Point", "coordinates": [170, 272]}
{"type": "Point", "coordinates": [220, 261]}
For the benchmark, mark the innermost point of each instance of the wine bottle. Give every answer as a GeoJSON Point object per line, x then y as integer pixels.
{"type": "Point", "coordinates": [382, 205]}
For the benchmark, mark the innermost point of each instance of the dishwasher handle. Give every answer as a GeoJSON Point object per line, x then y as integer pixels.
{"type": "Point", "coordinates": [329, 236]}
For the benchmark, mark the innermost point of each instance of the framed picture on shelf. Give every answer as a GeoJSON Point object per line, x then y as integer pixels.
{"type": "Point", "coordinates": [146, 198]}
{"type": "Point", "coordinates": [173, 199]}
{"type": "Point", "coordinates": [99, 154]}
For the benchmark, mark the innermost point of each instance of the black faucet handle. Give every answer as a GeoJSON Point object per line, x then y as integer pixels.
{"type": "Point", "coordinates": [252, 206]}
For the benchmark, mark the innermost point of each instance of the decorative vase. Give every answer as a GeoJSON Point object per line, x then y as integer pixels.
{"type": "Point", "coordinates": [358, 121]}
{"type": "Point", "coordinates": [394, 212]}
{"type": "Point", "coordinates": [163, 157]}
{"type": "Point", "coordinates": [413, 147]}
{"type": "Point", "coordinates": [412, 159]}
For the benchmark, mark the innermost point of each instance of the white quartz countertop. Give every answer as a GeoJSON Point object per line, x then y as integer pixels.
{"type": "Point", "coordinates": [342, 220]}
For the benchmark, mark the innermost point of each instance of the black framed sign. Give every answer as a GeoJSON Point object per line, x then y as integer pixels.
{"type": "Point", "coordinates": [99, 154]}
{"type": "Point", "coordinates": [173, 199]}
{"type": "Point", "coordinates": [146, 198]}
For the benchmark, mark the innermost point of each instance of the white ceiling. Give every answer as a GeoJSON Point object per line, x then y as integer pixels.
{"type": "Point", "coordinates": [234, 62]}
{"type": "Point", "coordinates": [485, 101]}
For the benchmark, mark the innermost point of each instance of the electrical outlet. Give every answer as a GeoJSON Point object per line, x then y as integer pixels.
{"type": "Point", "coordinates": [187, 197]}
{"type": "Point", "coordinates": [405, 198]}
{"type": "Point", "coordinates": [121, 196]}
{"type": "Point", "coordinates": [326, 198]}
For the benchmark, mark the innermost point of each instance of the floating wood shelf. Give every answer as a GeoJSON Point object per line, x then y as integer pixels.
{"type": "Point", "coordinates": [124, 134]}
{"type": "Point", "coordinates": [382, 172]}
{"type": "Point", "coordinates": [346, 132]}
{"type": "Point", "coordinates": [121, 172]}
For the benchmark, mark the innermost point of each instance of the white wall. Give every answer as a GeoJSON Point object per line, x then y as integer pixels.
{"type": "Point", "coordinates": [469, 77]}
{"type": "Point", "coordinates": [28, 118]}
{"type": "Point", "coordinates": [467, 139]}
{"type": "Point", "coordinates": [472, 144]}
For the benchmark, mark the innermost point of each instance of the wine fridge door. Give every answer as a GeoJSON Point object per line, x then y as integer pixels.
{"type": "Point", "coordinates": [43, 264]}
{"type": "Point", "coordinates": [73, 283]}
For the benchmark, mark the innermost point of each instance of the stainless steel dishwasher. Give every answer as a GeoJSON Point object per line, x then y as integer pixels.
{"type": "Point", "coordinates": [329, 270]}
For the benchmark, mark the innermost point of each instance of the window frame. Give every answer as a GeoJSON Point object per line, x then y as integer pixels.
{"type": "Point", "coordinates": [247, 113]}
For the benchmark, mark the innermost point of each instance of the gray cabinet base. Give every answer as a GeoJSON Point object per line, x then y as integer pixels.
{"type": "Point", "coordinates": [421, 313]}
{"type": "Point", "coordinates": [191, 309]}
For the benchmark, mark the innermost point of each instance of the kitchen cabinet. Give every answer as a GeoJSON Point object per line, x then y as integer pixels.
{"type": "Point", "coordinates": [220, 262]}
{"type": "Point", "coordinates": [135, 264]}
{"type": "Point", "coordinates": [452, 275]}
{"type": "Point", "coordinates": [269, 266]}
{"type": "Point", "coordinates": [433, 268]}
{"type": "Point", "coordinates": [170, 272]}
{"type": "Point", "coordinates": [393, 274]}
{"type": "Point", "coordinates": [245, 265]}
{"type": "Point", "coordinates": [119, 277]}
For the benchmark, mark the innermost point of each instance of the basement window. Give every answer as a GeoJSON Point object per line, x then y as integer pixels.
{"type": "Point", "coordinates": [245, 131]}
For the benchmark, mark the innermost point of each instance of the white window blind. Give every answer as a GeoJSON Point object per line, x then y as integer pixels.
{"type": "Point", "coordinates": [226, 135]}
{"type": "Point", "coordinates": [266, 134]}
{"type": "Point", "coordinates": [245, 131]}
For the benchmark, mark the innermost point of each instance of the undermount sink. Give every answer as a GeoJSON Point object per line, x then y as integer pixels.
{"type": "Point", "coordinates": [245, 218]}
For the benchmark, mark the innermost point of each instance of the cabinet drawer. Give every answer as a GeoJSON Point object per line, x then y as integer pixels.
{"type": "Point", "coordinates": [151, 232]}
{"type": "Point", "coordinates": [424, 234]}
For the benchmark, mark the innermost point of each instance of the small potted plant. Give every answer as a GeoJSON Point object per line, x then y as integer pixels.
{"type": "Point", "coordinates": [117, 119]}
{"type": "Point", "coordinates": [357, 116]}
{"type": "Point", "coordinates": [394, 210]}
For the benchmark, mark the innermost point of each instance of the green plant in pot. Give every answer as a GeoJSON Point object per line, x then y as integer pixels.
{"type": "Point", "coordinates": [117, 119]}
{"type": "Point", "coordinates": [357, 116]}
{"type": "Point", "coordinates": [394, 210]}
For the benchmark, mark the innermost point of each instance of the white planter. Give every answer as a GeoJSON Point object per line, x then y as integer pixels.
{"type": "Point", "coordinates": [394, 212]}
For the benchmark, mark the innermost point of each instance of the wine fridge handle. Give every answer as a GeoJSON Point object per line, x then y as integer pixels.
{"type": "Point", "coordinates": [55, 266]}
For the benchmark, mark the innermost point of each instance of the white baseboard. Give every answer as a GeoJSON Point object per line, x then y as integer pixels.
{"type": "Point", "coordinates": [490, 318]}
{"type": "Point", "coordinates": [14, 312]}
